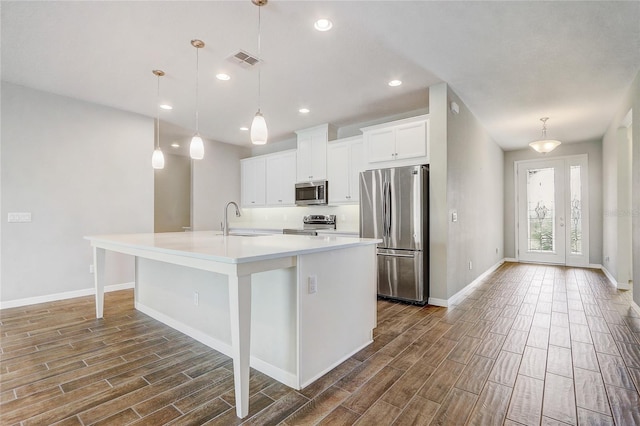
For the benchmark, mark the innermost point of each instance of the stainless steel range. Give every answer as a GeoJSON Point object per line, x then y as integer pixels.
{"type": "Point", "coordinates": [312, 223]}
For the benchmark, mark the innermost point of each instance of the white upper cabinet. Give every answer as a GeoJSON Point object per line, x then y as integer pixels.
{"type": "Point", "coordinates": [311, 161]}
{"type": "Point", "coordinates": [398, 143]}
{"type": "Point", "coordinates": [281, 178]}
{"type": "Point", "coordinates": [344, 164]}
{"type": "Point", "coordinates": [253, 178]}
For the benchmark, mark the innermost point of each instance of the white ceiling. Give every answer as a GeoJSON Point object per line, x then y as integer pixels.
{"type": "Point", "coordinates": [510, 62]}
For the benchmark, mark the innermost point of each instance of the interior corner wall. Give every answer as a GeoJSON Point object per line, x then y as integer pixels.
{"type": "Point", "coordinates": [79, 169]}
{"type": "Point", "coordinates": [438, 209]}
{"type": "Point", "coordinates": [593, 149]}
{"type": "Point", "coordinates": [631, 101]}
{"type": "Point", "coordinates": [215, 180]}
{"type": "Point", "coordinates": [475, 191]}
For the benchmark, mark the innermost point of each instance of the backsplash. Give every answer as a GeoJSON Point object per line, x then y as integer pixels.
{"type": "Point", "coordinates": [347, 217]}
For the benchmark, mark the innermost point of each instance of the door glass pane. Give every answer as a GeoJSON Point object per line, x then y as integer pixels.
{"type": "Point", "coordinates": [541, 210]}
{"type": "Point", "coordinates": [576, 211]}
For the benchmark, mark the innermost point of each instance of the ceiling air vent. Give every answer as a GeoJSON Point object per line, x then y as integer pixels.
{"type": "Point", "coordinates": [244, 59]}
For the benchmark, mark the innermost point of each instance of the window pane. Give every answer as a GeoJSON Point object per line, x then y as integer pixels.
{"type": "Point", "coordinates": [576, 211]}
{"type": "Point", "coordinates": [541, 210]}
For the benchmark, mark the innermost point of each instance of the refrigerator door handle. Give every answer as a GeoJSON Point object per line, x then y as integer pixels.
{"type": "Point", "coordinates": [385, 189]}
{"type": "Point", "coordinates": [389, 209]}
{"type": "Point", "coordinates": [396, 255]}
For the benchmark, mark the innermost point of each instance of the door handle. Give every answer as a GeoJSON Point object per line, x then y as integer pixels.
{"type": "Point", "coordinates": [396, 255]}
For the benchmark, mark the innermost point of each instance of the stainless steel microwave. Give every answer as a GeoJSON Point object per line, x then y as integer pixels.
{"type": "Point", "coordinates": [312, 193]}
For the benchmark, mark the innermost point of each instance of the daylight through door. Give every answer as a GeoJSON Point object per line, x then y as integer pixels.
{"type": "Point", "coordinates": [552, 219]}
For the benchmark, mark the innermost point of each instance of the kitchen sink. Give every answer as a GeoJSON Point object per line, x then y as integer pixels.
{"type": "Point", "coordinates": [239, 234]}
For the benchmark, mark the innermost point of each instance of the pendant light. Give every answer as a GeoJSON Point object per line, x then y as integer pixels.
{"type": "Point", "coordinates": [544, 145]}
{"type": "Point", "coordinates": [196, 149]}
{"type": "Point", "coordinates": [157, 159]}
{"type": "Point", "coordinates": [259, 132]}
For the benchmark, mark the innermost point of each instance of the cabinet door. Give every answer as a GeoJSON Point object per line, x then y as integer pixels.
{"type": "Point", "coordinates": [356, 159]}
{"type": "Point", "coordinates": [253, 176]}
{"type": "Point", "coordinates": [381, 145]}
{"type": "Point", "coordinates": [411, 140]}
{"type": "Point", "coordinates": [281, 179]}
{"type": "Point", "coordinates": [338, 172]}
{"type": "Point", "coordinates": [304, 158]}
{"type": "Point", "coordinates": [312, 156]}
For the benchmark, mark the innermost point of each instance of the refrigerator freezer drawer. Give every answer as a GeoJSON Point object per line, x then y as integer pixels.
{"type": "Point", "coordinates": [401, 275]}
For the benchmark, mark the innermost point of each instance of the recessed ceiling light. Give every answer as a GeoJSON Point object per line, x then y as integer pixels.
{"type": "Point", "coordinates": [175, 145]}
{"type": "Point", "coordinates": [223, 77]}
{"type": "Point", "coordinates": [394, 83]}
{"type": "Point", "coordinates": [244, 129]}
{"type": "Point", "coordinates": [323, 24]}
{"type": "Point", "coordinates": [166, 106]}
{"type": "Point", "coordinates": [303, 110]}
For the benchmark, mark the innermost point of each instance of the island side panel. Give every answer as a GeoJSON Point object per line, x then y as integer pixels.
{"type": "Point", "coordinates": [166, 293]}
{"type": "Point", "coordinates": [338, 320]}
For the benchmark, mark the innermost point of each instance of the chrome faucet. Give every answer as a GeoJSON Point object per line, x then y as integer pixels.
{"type": "Point", "coordinates": [225, 224]}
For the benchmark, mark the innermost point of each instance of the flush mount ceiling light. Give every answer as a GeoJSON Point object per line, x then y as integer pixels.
{"type": "Point", "coordinates": [323, 24]}
{"type": "Point", "coordinates": [544, 145]}
{"type": "Point", "coordinates": [394, 83]}
{"type": "Point", "coordinates": [157, 159]}
{"type": "Point", "coordinates": [259, 132]}
{"type": "Point", "coordinates": [166, 106]}
{"type": "Point", "coordinates": [304, 110]}
{"type": "Point", "coordinates": [223, 77]}
{"type": "Point", "coordinates": [244, 129]}
{"type": "Point", "coordinates": [196, 149]}
{"type": "Point", "coordinates": [175, 145]}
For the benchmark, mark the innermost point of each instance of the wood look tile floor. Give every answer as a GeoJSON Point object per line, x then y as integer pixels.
{"type": "Point", "coordinates": [529, 345]}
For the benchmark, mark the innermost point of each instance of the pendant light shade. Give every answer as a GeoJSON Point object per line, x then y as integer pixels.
{"type": "Point", "coordinates": [259, 132]}
{"type": "Point", "coordinates": [157, 159]}
{"type": "Point", "coordinates": [544, 145]}
{"type": "Point", "coordinates": [196, 149]}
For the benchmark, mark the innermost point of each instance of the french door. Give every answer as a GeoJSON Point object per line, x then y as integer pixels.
{"type": "Point", "coordinates": [552, 224]}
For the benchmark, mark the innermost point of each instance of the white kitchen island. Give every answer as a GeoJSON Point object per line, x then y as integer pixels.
{"type": "Point", "coordinates": [290, 306]}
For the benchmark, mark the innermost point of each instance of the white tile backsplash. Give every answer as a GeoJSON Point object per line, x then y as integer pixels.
{"type": "Point", "coordinates": [347, 217]}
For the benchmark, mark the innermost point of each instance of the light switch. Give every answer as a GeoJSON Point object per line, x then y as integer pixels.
{"type": "Point", "coordinates": [18, 217]}
{"type": "Point", "coordinates": [454, 216]}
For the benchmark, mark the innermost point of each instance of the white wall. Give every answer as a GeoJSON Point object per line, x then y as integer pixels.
{"type": "Point", "coordinates": [631, 101]}
{"type": "Point", "coordinates": [215, 182]}
{"type": "Point", "coordinates": [475, 190]}
{"type": "Point", "coordinates": [80, 169]}
{"type": "Point", "coordinates": [593, 149]}
{"type": "Point", "coordinates": [172, 194]}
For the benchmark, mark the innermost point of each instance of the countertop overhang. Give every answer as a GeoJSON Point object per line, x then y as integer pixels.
{"type": "Point", "coordinates": [232, 249]}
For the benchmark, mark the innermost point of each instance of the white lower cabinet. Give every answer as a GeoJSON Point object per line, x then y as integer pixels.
{"type": "Point", "coordinates": [269, 180]}
{"type": "Point", "coordinates": [345, 161]}
{"type": "Point", "coordinates": [253, 182]}
{"type": "Point", "coordinates": [281, 179]}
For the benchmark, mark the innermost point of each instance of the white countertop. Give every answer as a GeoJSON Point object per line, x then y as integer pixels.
{"type": "Point", "coordinates": [212, 245]}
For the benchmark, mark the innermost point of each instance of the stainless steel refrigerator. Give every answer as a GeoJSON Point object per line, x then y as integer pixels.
{"type": "Point", "coordinates": [394, 207]}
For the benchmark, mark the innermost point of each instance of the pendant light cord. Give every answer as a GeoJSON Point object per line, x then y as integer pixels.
{"type": "Point", "coordinates": [197, 83]}
{"type": "Point", "coordinates": [158, 116]}
{"type": "Point", "coordinates": [259, 52]}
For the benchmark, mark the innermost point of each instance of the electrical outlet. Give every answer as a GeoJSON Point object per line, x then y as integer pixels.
{"type": "Point", "coordinates": [91, 269]}
{"type": "Point", "coordinates": [196, 298]}
{"type": "Point", "coordinates": [313, 284]}
{"type": "Point", "coordinates": [470, 265]}
{"type": "Point", "coordinates": [496, 250]}
{"type": "Point", "coordinates": [454, 216]}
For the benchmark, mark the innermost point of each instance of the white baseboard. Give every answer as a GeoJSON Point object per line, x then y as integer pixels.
{"type": "Point", "coordinates": [63, 296]}
{"type": "Point", "coordinates": [510, 259]}
{"type": "Point", "coordinates": [462, 293]}
{"type": "Point", "coordinates": [613, 281]}
{"type": "Point", "coordinates": [280, 375]}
